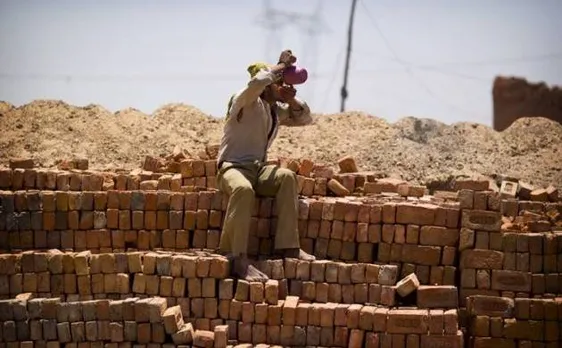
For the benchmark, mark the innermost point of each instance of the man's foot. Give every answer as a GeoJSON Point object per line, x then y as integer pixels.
{"type": "Point", "coordinates": [243, 269]}
{"type": "Point", "coordinates": [297, 253]}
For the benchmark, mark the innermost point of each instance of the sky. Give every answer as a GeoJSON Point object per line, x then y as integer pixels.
{"type": "Point", "coordinates": [424, 58]}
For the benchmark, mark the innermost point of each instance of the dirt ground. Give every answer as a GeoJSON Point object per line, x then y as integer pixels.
{"type": "Point", "coordinates": [418, 150]}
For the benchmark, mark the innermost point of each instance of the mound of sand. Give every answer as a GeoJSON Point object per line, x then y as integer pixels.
{"type": "Point", "coordinates": [418, 150]}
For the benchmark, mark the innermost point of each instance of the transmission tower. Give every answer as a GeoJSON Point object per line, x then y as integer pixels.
{"type": "Point", "coordinates": [273, 22]}
{"type": "Point", "coordinates": [311, 26]}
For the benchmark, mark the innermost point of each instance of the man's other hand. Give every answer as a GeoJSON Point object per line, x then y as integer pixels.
{"type": "Point", "coordinates": [287, 58]}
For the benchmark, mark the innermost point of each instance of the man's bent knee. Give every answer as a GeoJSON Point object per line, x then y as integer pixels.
{"type": "Point", "coordinates": [284, 175]}
{"type": "Point", "coordinates": [243, 191]}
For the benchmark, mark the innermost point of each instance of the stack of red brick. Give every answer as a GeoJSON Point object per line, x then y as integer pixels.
{"type": "Point", "coordinates": [523, 322]}
{"type": "Point", "coordinates": [332, 296]}
{"type": "Point", "coordinates": [386, 275]}
{"type": "Point", "coordinates": [198, 174]}
{"type": "Point", "coordinates": [101, 323]}
{"type": "Point", "coordinates": [509, 249]}
{"type": "Point", "coordinates": [419, 236]}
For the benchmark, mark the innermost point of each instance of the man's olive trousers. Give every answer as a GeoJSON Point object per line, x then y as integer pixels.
{"type": "Point", "coordinates": [242, 182]}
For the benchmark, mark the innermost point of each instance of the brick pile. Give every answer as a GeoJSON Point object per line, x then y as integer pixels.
{"type": "Point", "coordinates": [419, 236]}
{"type": "Point", "coordinates": [50, 322]}
{"type": "Point", "coordinates": [190, 175]}
{"type": "Point", "coordinates": [509, 248]}
{"type": "Point", "coordinates": [396, 266]}
{"type": "Point", "coordinates": [523, 322]}
{"type": "Point", "coordinates": [182, 276]}
{"type": "Point", "coordinates": [197, 285]}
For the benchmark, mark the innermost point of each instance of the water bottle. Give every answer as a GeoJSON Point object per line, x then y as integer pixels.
{"type": "Point", "coordinates": [295, 75]}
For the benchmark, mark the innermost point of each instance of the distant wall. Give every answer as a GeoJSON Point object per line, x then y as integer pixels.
{"type": "Point", "coordinates": [514, 98]}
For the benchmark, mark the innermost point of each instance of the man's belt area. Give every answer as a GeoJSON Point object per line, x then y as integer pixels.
{"type": "Point", "coordinates": [237, 164]}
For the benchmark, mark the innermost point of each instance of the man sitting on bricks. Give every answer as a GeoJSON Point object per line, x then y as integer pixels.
{"type": "Point", "coordinates": [253, 117]}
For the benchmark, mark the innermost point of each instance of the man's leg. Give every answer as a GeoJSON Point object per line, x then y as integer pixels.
{"type": "Point", "coordinates": [235, 182]}
{"type": "Point", "coordinates": [281, 183]}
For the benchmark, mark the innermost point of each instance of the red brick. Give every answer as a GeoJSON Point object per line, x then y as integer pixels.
{"type": "Point", "coordinates": [523, 330]}
{"type": "Point", "coordinates": [388, 231]}
{"type": "Point", "coordinates": [437, 297]}
{"type": "Point", "coordinates": [511, 280]}
{"type": "Point", "coordinates": [435, 321]}
{"type": "Point", "coordinates": [444, 341]}
{"type": "Point", "coordinates": [374, 233]}
{"type": "Point", "coordinates": [422, 255]}
{"type": "Point", "coordinates": [48, 201]}
{"type": "Point", "coordinates": [124, 200]}
{"type": "Point", "coordinates": [441, 236]}
{"type": "Point", "coordinates": [408, 285]}
{"type": "Point", "coordinates": [423, 214]}
{"type": "Point", "coordinates": [491, 306]}
{"type": "Point", "coordinates": [320, 186]}
{"type": "Point", "coordinates": [367, 317]}
{"type": "Point", "coordinates": [481, 259]}
{"type": "Point", "coordinates": [481, 220]}
{"type": "Point", "coordinates": [388, 213]}
{"type": "Point", "coordinates": [150, 200]}
{"type": "Point", "coordinates": [356, 338]}
{"type": "Point", "coordinates": [112, 199]}
{"type": "Point", "coordinates": [407, 321]}
{"type": "Point", "coordinates": [5, 178]}
{"type": "Point", "coordinates": [351, 211]}
{"type": "Point", "coordinates": [388, 295]}
{"type": "Point", "coordinates": [49, 221]}
{"type": "Point", "coordinates": [380, 318]}
{"type": "Point", "coordinates": [17, 179]}
{"type": "Point", "coordinates": [61, 199]}
{"type": "Point", "coordinates": [375, 214]}
{"type": "Point", "coordinates": [453, 216]}
{"type": "Point", "coordinates": [399, 234]}
{"type": "Point", "coordinates": [124, 219]}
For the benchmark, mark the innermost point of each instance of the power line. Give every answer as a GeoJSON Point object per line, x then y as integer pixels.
{"type": "Point", "coordinates": [428, 69]}
{"type": "Point", "coordinates": [273, 20]}
{"type": "Point", "coordinates": [213, 78]}
{"type": "Point", "coordinates": [110, 77]}
{"type": "Point", "coordinates": [391, 50]}
{"type": "Point", "coordinates": [453, 73]}
{"type": "Point", "coordinates": [107, 77]}
{"type": "Point", "coordinates": [490, 62]}
{"type": "Point", "coordinates": [311, 44]}
{"type": "Point", "coordinates": [508, 60]}
{"type": "Point", "coordinates": [400, 61]}
{"type": "Point", "coordinates": [439, 68]}
{"type": "Point", "coordinates": [312, 25]}
{"type": "Point", "coordinates": [333, 79]}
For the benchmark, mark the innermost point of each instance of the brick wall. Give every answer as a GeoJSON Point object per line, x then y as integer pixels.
{"type": "Point", "coordinates": [514, 98]}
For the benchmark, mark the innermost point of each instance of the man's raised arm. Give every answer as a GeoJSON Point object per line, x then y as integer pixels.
{"type": "Point", "coordinates": [262, 76]}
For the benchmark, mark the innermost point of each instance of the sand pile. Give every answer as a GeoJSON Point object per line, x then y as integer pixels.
{"type": "Point", "coordinates": [418, 150]}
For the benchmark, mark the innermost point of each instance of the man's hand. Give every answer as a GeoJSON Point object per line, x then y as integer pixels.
{"type": "Point", "coordinates": [287, 93]}
{"type": "Point", "coordinates": [287, 58]}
